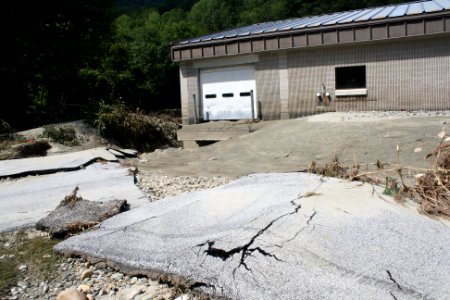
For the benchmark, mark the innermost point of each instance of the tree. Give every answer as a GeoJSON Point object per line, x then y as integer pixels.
{"type": "Point", "coordinates": [46, 44]}
{"type": "Point", "coordinates": [207, 16]}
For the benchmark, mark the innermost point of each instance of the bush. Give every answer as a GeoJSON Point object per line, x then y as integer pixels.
{"type": "Point", "coordinates": [143, 132]}
{"type": "Point", "coordinates": [32, 149]}
{"type": "Point", "coordinates": [61, 134]}
{"type": "Point", "coordinates": [6, 130]}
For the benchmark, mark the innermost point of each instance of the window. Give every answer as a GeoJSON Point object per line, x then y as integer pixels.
{"type": "Point", "coordinates": [228, 95]}
{"type": "Point", "coordinates": [351, 78]}
{"type": "Point", "coordinates": [210, 96]}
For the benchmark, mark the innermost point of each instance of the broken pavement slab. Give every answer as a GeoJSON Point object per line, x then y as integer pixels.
{"type": "Point", "coordinates": [25, 200]}
{"type": "Point", "coordinates": [281, 236]}
{"type": "Point", "coordinates": [52, 164]}
{"type": "Point", "coordinates": [75, 214]}
{"type": "Point", "coordinates": [116, 153]}
{"type": "Point", "coordinates": [128, 152]}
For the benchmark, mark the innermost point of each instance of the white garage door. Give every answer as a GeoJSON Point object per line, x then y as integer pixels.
{"type": "Point", "coordinates": [228, 93]}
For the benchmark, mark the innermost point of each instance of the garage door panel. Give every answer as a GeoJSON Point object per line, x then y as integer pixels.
{"type": "Point", "coordinates": [227, 94]}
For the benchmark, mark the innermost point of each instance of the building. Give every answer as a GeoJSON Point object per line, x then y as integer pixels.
{"type": "Point", "coordinates": [394, 57]}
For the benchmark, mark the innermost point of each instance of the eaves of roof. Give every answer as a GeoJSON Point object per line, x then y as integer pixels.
{"type": "Point", "coordinates": [403, 20]}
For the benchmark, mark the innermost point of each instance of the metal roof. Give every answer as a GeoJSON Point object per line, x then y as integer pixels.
{"type": "Point", "coordinates": [348, 17]}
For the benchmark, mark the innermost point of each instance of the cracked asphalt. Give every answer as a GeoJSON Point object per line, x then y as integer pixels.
{"type": "Point", "coordinates": [280, 236]}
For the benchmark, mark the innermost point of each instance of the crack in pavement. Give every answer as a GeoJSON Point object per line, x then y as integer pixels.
{"type": "Point", "coordinates": [393, 296]}
{"type": "Point", "coordinates": [200, 284]}
{"type": "Point", "coordinates": [300, 230]}
{"type": "Point", "coordinates": [393, 280]}
{"type": "Point", "coordinates": [56, 170]}
{"type": "Point", "coordinates": [401, 288]}
{"type": "Point", "coordinates": [246, 250]}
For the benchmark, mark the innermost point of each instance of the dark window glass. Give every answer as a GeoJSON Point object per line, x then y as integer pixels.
{"type": "Point", "coordinates": [210, 96]}
{"type": "Point", "coordinates": [227, 95]}
{"type": "Point", "coordinates": [245, 94]}
{"type": "Point", "coordinates": [351, 77]}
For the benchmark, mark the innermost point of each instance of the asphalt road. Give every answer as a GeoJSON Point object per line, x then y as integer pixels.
{"type": "Point", "coordinates": [280, 236]}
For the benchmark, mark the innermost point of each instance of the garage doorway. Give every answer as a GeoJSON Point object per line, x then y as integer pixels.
{"type": "Point", "coordinates": [228, 93]}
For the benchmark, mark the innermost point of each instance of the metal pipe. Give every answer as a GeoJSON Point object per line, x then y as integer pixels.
{"type": "Point", "coordinates": [253, 104]}
{"type": "Point", "coordinates": [195, 108]}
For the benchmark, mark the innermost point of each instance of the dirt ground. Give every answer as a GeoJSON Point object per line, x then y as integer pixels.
{"type": "Point", "coordinates": [291, 145]}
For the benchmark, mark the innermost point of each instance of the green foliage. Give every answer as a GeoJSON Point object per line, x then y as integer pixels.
{"type": "Point", "coordinates": [61, 134]}
{"type": "Point", "coordinates": [144, 132]}
{"type": "Point", "coordinates": [255, 11]}
{"type": "Point", "coordinates": [209, 16]}
{"type": "Point", "coordinates": [5, 128]}
{"type": "Point", "coordinates": [391, 187]}
{"type": "Point", "coordinates": [46, 44]}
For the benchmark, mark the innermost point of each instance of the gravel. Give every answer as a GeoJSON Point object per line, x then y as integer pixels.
{"type": "Point", "coordinates": [158, 186]}
{"type": "Point", "coordinates": [367, 116]}
{"type": "Point", "coordinates": [99, 281]}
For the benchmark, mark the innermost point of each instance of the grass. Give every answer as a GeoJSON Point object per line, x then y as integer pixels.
{"type": "Point", "coordinates": [36, 253]}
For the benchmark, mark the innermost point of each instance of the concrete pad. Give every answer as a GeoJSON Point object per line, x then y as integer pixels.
{"type": "Point", "coordinates": [281, 236]}
{"type": "Point", "coordinates": [52, 164]}
{"type": "Point", "coordinates": [26, 200]}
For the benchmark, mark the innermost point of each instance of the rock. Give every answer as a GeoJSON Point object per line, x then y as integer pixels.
{"type": "Point", "coordinates": [84, 288]}
{"type": "Point", "coordinates": [151, 291]}
{"type": "Point", "coordinates": [23, 268]}
{"type": "Point", "coordinates": [75, 214]}
{"type": "Point", "coordinates": [90, 297]}
{"type": "Point", "coordinates": [86, 274]}
{"type": "Point", "coordinates": [117, 276]}
{"type": "Point", "coordinates": [45, 289]}
{"type": "Point", "coordinates": [129, 293]}
{"type": "Point", "coordinates": [71, 294]}
{"type": "Point", "coordinates": [22, 284]}
{"type": "Point", "coordinates": [133, 280]}
{"type": "Point", "coordinates": [183, 297]}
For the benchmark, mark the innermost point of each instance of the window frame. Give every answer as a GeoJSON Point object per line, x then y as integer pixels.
{"type": "Point", "coordinates": [359, 89]}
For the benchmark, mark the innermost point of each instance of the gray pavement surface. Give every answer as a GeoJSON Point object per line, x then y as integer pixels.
{"type": "Point", "coordinates": [52, 164]}
{"type": "Point", "coordinates": [25, 200]}
{"type": "Point", "coordinates": [281, 236]}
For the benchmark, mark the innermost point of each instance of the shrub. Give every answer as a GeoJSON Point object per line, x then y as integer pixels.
{"type": "Point", "coordinates": [61, 134]}
{"type": "Point", "coordinates": [5, 128]}
{"type": "Point", "coordinates": [31, 149]}
{"type": "Point", "coordinates": [144, 132]}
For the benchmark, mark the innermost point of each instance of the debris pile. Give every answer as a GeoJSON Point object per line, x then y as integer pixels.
{"type": "Point", "coordinates": [334, 168]}
{"type": "Point", "coordinates": [432, 189]}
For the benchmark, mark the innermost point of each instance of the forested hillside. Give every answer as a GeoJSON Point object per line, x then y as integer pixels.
{"type": "Point", "coordinates": [64, 59]}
